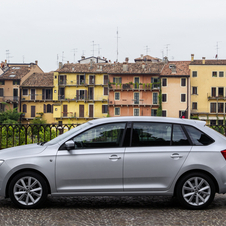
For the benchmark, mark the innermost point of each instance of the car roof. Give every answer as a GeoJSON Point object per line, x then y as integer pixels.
{"type": "Point", "coordinates": [149, 119]}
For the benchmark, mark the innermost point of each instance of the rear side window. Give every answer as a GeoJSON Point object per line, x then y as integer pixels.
{"type": "Point", "coordinates": [151, 134]}
{"type": "Point", "coordinates": [198, 137]}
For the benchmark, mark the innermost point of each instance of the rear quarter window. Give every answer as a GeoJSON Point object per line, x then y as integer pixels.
{"type": "Point", "coordinates": [198, 137]}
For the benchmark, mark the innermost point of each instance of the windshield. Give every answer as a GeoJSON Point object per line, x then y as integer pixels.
{"type": "Point", "coordinates": [68, 134]}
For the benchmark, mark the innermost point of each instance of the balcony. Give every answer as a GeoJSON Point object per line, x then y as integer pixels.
{"type": "Point", "coordinates": [134, 87]}
{"type": "Point", "coordinates": [81, 83]}
{"type": "Point", "coordinates": [83, 98]}
{"type": "Point", "coordinates": [10, 99]}
{"type": "Point", "coordinates": [133, 102]}
{"type": "Point", "coordinates": [219, 97]}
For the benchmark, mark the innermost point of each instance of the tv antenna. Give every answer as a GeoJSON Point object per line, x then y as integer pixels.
{"type": "Point", "coordinates": [147, 49]}
{"type": "Point", "coordinates": [93, 47]}
{"type": "Point", "coordinates": [8, 55]}
{"type": "Point", "coordinates": [117, 44]}
{"type": "Point", "coordinates": [63, 57]}
{"type": "Point", "coordinates": [74, 51]}
{"type": "Point", "coordinates": [217, 47]}
{"type": "Point", "coordinates": [167, 49]}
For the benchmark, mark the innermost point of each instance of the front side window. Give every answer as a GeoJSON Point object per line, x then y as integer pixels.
{"type": "Point", "coordinates": [107, 135]}
{"type": "Point", "coordinates": [151, 134]}
{"type": "Point", "coordinates": [198, 137]}
{"type": "Point", "coordinates": [2, 82]}
{"type": "Point", "coordinates": [105, 79]}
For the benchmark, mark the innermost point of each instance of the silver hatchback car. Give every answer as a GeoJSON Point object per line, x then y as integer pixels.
{"type": "Point", "coordinates": [119, 156]}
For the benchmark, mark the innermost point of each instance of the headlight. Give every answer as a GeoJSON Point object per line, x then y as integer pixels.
{"type": "Point", "coordinates": [1, 161]}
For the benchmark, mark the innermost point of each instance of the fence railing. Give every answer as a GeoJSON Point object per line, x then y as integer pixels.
{"type": "Point", "coordinates": [20, 134]}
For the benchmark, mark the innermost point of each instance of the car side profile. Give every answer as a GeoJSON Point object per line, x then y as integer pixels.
{"type": "Point", "coordinates": [119, 156]}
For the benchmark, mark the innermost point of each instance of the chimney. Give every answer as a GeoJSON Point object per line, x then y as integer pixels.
{"type": "Point", "coordinates": [143, 65]}
{"type": "Point", "coordinates": [127, 59]}
{"type": "Point", "coordinates": [67, 62]}
{"type": "Point", "coordinates": [83, 57]}
{"type": "Point", "coordinates": [192, 57]}
{"type": "Point", "coordinates": [142, 56]}
{"type": "Point", "coordinates": [165, 60]}
{"type": "Point", "coordinates": [36, 62]}
{"type": "Point", "coordinates": [125, 67]}
{"type": "Point", "coordinates": [203, 60]}
{"type": "Point", "coordinates": [60, 65]}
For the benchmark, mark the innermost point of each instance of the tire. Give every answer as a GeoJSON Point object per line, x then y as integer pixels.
{"type": "Point", "coordinates": [195, 191]}
{"type": "Point", "coordinates": [28, 190]}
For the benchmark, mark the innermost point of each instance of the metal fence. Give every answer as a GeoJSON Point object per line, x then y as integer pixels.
{"type": "Point", "coordinates": [20, 134]}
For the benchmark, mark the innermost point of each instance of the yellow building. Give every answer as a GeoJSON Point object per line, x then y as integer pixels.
{"type": "Point", "coordinates": [37, 97]}
{"type": "Point", "coordinates": [208, 90]}
{"type": "Point", "coordinates": [81, 92]}
{"type": "Point", "coordinates": [175, 80]}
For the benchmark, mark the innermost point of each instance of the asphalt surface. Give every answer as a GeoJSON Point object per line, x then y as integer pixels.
{"type": "Point", "coordinates": [111, 210]}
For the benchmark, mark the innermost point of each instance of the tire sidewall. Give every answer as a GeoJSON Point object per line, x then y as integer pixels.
{"type": "Point", "coordinates": [41, 181]}
{"type": "Point", "coordinates": [180, 184]}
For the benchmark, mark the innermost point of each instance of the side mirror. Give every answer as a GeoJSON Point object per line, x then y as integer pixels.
{"type": "Point", "coordinates": [70, 144]}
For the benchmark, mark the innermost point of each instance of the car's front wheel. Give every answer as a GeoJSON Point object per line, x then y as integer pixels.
{"type": "Point", "coordinates": [28, 190]}
{"type": "Point", "coordinates": [195, 190]}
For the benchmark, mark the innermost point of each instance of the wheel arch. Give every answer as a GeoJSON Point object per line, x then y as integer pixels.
{"type": "Point", "coordinates": [197, 171]}
{"type": "Point", "coordinates": [25, 170]}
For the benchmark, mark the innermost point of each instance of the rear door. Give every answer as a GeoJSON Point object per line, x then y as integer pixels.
{"type": "Point", "coordinates": [153, 160]}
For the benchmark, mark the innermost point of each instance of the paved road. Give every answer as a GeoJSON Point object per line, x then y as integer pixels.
{"type": "Point", "coordinates": [113, 211]}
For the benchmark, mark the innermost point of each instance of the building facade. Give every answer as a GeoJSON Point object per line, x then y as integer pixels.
{"type": "Point", "coordinates": [208, 90]}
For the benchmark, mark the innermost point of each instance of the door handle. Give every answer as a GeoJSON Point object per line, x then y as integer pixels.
{"type": "Point", "coordinates": [114, 157]}
{"type": "Point", "coordinates": [176, 156]}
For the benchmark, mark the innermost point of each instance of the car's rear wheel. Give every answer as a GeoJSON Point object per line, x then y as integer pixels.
{"type": "Point", "coordinates": [195, 190]}
{"type": "Point", "coordinates": [28, 190]}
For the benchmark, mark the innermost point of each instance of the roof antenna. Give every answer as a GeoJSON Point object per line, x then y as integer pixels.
{"type": "Point", "coordinates": [117, 44]}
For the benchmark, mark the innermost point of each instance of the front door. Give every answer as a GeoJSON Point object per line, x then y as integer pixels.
{"type": "Point", "coordinates": [96, 162]}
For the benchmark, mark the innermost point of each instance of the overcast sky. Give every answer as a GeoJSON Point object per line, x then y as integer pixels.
{"type": "Point", "coordinates": [54, 30]}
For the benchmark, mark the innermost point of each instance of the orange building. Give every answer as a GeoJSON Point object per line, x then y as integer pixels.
{"type": "Point", "coordinates": [134, 88]}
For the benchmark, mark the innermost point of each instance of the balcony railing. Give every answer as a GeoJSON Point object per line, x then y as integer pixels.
{"type": "Point", "coordinates": [81, 83]}
{"type": "Point", "coordinates": [83, 98]}
{"type": "Point", "coordinates": [133, 102]}
{"type": "Point", "coordinates": [215, 97]}
{"type": "Point", "coordinates": [128, 87]}
{"type": "Point", "coordinates": [10, 98]}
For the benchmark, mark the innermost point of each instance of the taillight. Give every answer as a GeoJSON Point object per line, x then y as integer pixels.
{"type": "Point", "coordinates": [224, 153]}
